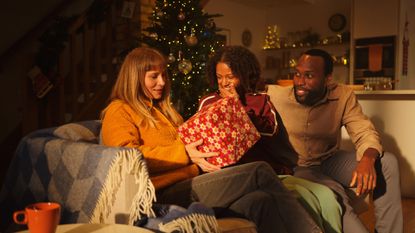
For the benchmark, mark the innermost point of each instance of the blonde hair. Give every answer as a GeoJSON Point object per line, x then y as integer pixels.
{"type": "Point", "coordinates": [130, 88]}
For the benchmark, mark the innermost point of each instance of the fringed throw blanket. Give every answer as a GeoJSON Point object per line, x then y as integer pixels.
{"type": "Point", "coordinates": [197, 218]}
{"type": "Point", "coordinates": [68, 166]}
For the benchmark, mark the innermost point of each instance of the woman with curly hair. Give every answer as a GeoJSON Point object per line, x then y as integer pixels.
{"type": "Point", "coordinates": [236, 72]}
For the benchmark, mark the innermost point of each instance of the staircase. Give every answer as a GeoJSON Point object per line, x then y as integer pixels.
{"type": "Point", "coordinates": [78, 80]}
{"type": "Point", "coordinates": [82, 77]}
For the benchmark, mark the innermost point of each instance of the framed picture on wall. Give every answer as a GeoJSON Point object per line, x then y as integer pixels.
{"type": "Point", "coordinates": [128, 9]}
{"type": "Point", "coordinates": [224, 36]}
{"type": "Point", "coordinates": [246, 38]}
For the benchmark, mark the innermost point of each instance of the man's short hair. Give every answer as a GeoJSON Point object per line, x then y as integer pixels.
{"type": "Point", "coordinates": [327, 58]}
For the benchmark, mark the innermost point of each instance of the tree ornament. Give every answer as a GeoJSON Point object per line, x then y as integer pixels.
{"type": "Point", "coordinates": [40, 83]}
{"type": "Point", "coordinates": [191, 39]}
{"type": "Point", "coordinates": [185, 66]}
{"type": "Point", "coordinates": [181, 16]}
{"type": "Point", "coordinates": [210, 24]}
{"type": "Point", "coordinates": [160, 13]}
{"type": "Point", "coordinates": [154, 35]}
{"type": "Point", "coordinates": [171, 58]}
{"type": "Point", "coordinates": [207, 34]}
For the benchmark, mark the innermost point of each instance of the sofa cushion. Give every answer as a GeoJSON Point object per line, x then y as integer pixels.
{"type": "Point", "coordinates": [86, 131]}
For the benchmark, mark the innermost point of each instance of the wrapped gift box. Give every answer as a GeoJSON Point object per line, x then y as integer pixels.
{"type": "Point", "coordinates": [224, 127]}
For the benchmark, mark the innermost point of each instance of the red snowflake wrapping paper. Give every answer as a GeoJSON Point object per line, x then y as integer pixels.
{"type": "Point", "coordinates": [224, 127]}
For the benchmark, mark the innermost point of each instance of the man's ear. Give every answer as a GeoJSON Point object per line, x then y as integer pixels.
{"type": "Point", "coordinates": [329, 78]}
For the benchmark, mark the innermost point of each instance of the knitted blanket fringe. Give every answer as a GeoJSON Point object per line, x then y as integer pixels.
{"type": "Point", "coordinates": [126, 162]}
{"type": "Point", "coordinates": [194, 223]}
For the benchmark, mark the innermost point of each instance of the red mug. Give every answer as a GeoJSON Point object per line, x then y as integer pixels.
{"type": "Point", "coordinates": [42, 217]}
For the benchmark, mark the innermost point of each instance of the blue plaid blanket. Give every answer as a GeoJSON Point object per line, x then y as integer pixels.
{"type": "Point", "coordinates": [67, 165]}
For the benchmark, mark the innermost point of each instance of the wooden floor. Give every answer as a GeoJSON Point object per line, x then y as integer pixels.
{"type": "Point", "coordinates": [408, 209]}
{"type": "Point", "coordinates": [408, 206]}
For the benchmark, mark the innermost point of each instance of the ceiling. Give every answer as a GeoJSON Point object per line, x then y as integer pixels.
{"type": "Point", "coordinates": [262, 4]}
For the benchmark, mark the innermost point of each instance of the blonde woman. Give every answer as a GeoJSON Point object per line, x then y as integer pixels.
{"type": "Point", "coordinates": [140, 116]}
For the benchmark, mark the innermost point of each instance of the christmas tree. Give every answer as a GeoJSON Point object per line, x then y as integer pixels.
{"type": "Point", "coordinates": [187, 36]}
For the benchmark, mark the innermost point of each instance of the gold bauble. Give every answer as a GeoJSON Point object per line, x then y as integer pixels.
{"type": "Point", "coordinates": [185, 66]}
{"type": "Point", "coordinates": [181, 16]}
{"type": "Point", "coordinates": [191, 40]}
{"type": "Point", "coordinates": [154, 35]}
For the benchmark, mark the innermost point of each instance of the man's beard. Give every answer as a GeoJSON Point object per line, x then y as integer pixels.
{"type": "Point", "coordinates": [311, 97]}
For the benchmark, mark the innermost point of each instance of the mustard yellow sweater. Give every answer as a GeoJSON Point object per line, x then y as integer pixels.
{"type": "Point", "coordinates": [161, 146]}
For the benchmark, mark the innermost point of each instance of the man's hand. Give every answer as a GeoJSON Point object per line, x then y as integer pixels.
{"type": "Point", "coordinates": [198, 157]}
{"type": "Point", "coordinates": [364, 176]}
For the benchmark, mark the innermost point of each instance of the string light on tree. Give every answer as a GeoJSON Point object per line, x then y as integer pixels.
{"type": "Point", "coordinates": [171, 58]}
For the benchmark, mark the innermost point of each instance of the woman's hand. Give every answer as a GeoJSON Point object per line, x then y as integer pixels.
{"type": "Point", "coordinates": [228, 91]}
{"type": "Point", "coordinates": [198, 157]}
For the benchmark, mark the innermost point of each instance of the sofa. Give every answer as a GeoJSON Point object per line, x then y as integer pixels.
{"type": "Point", "coordinates": [93, 183]}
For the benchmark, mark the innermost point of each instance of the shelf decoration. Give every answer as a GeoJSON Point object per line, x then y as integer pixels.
{"type": "Point", "coordinates": [272, 39]}
{"type": "Point", "coordinates": [341, 59]}
{"type": "Point", "coordinates": [301, 39]}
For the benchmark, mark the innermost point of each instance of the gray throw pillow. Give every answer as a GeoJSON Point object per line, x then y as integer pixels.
{"type": "Point", "coordinates": [87, 131]}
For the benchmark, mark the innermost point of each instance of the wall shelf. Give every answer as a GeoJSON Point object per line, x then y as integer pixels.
{"type": "Point", "coordinates": [307, 46]}
{"type": "Point", "coordinates": [279, 61]}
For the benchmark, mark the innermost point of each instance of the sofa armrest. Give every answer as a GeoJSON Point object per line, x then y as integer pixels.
{"type": "Point", "coordinates": [124, 198]}
{"type": "Point", "coordinates": [92, 182]}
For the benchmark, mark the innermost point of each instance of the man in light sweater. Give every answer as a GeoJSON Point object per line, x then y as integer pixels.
{"type": "Point", "coordinates": [312, 114]}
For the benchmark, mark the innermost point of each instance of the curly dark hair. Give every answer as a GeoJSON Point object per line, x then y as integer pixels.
{"type": "Point", "coordinates": [244, 66]}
